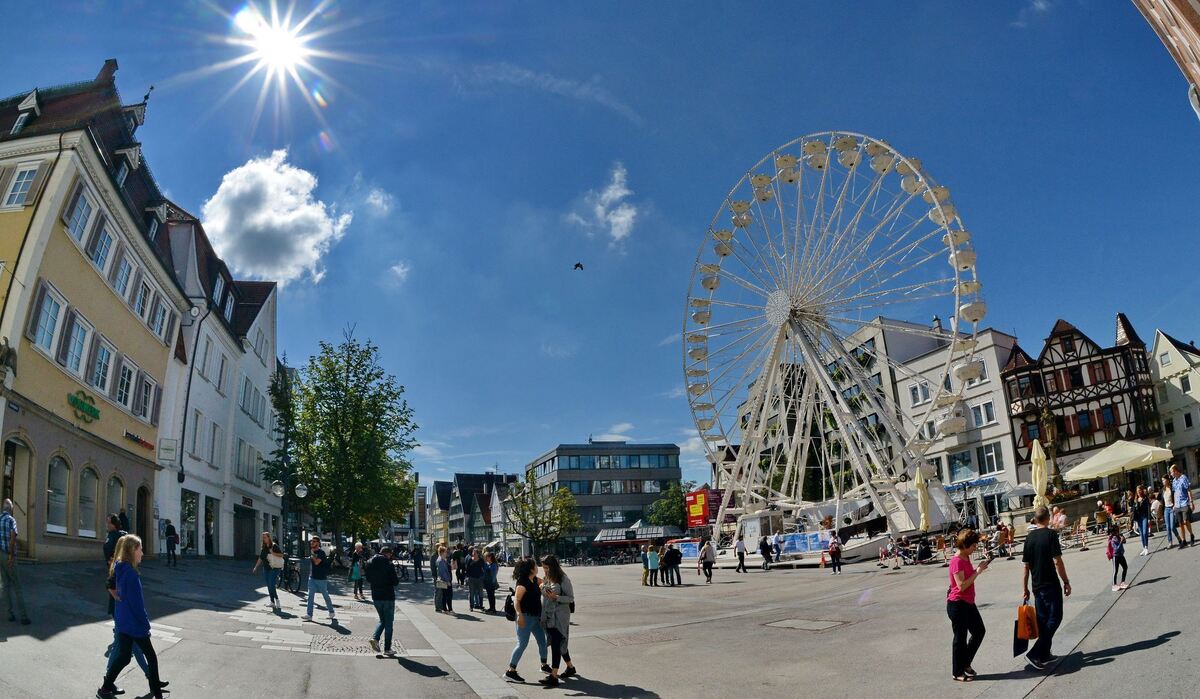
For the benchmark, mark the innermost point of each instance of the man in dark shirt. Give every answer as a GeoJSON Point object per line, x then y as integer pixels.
{"type": "Point", "coordinates": [381, 574]}
{"type": "Point", "coordinates": [1044, 564]}
{"type": "Point", "coordinates": [418, 561]}
{"type": "Point", "coordinates": [460, 570]}
{"type": "Point", "coordinates": [318, 579]}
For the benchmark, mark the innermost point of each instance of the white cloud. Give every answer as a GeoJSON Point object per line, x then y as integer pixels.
{"type": "Point", "coordinates": [606, 437]}
{"type": "Point", "coordinates": [675, 393]}
{"type": "Point", "coordinates": [607, 209]}
{"type": "Point", "coordinates": [266, 223]}
{"type": "Point", "coordinates": [379, 201]}
{"type": "Point", "coordinates": [621, 427]}
{"type": "Point", "coordinates": [1032, 9]}
{"type": "Point", "coordinates": [399, 271]}
{"type": "Point", "coordinates": [559, 350]}
{"type": "Point", "coordinates": [591, 91]}
{"type": "Point", "coordinates": [670, 340]}
{"type": "Point", "coordinates": [428, 451]}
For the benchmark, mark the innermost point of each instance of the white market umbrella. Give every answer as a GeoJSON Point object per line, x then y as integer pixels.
{"type": "Point", "coordinates": [922, 499]}
{"type": "Point", "coordinates": [1041, 474]}
{"type": "Point", "coordinates": [1118, 457]}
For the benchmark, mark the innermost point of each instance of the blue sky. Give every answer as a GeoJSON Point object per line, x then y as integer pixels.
{"type": "Point", "coordinates": [473, 154]}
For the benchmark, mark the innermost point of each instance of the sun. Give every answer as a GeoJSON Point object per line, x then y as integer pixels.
{"type": "Point", "coordinates": [279, 48]}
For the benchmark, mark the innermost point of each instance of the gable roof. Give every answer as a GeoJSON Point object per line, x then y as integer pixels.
{"type": "Point", "coordinates": [1126, 335]}
{"type": "Point", "coordinates": [484, 502]}
{"type": "Point", "coordinates": [250, 299]}
{"type": "Point", "coordinates": [1186, 348]}
{"type": "Point", "coordinates": [443, 492]}
{"type": "Point", "coordinates": [1017, 358]}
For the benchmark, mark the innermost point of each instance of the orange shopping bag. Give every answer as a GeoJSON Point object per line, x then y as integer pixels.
{"type": "Point", "coordinates": [1027, 628]}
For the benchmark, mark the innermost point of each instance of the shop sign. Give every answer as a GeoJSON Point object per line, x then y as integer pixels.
{"type": "Point", "coordinates": [248, 502]}
{"type": "Point", "coordinates": [138, 441]}
{"type": "Point", "coordinates": [168, 450]}
{"type": "Point", "coordinates": [84, 406]}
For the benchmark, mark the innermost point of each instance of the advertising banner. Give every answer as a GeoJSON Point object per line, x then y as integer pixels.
{"type": "Point", "coordinates": [697, 508]}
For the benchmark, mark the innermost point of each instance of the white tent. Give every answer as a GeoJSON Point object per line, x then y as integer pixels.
{"type": "Point", "coordinates": [1117, 457]}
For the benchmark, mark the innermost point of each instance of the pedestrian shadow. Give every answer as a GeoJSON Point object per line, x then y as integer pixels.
{"type": "Point", "coordinates": [466, 617]}
{"type": "Point", "coordinates": [1151, 581]}
{"type": "Point", "coordinates": [419, 668]}
{"type": "Point", "coordinates": [584, 687]}
{"type": "Point", "coordinates": [1077, 661]}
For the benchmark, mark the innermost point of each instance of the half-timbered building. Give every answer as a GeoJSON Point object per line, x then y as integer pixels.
{"type": "Point", "coordinates": [1096, 394]}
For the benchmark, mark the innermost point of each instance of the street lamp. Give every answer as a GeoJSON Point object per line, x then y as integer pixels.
{"type": "Point", "coordinates": [278, 488]}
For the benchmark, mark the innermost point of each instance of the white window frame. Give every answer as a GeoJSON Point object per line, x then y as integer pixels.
{"type": "Point", "coordinates": [108, 368]}
{"type": "Point", "coordinates": [222, 370]}
{"type": "Point", "coordinates": [1185, 383]}
{"type": "Point", "coordinates": [197, 423]}
{"type": "Point", "coordinates": [122, 173]}
{"type": "Point", "coordinates": [983, 375]}
{"type": "Point", "coordinates": [1164, 359]}
{"type": "Point", "coordinates": [19, 186]}
{"type": "Point", "coordinates": [218, 288]}
{"type": "Point", "coordinates": [124, 274]}
{"type": "Point", "coordinates": [202, 365]}
{"type": "Point", "coordinates": [104, 245]}
{"type": "Point", "coordinates": [921, 390]}
{"type": "Point", "coordinates": [140, 300]}
{"type": "Point", "coordinates": [980, 418]}
{"type": "Point", "coordinates": [61, 302]}
{"type": "Point", "coordinates": [152, 230]}
{"type": "Point", "coordinates": [215, 443]}
{"type": "Point", "coordinates": [84, 341]}
{"type": "Point", "coordinates": [992, 453]}
{"type": "Point", "coordinates": [148, 386]}
{"type": "Point", "coordinates": [22, 120]}
{"type": "Point", "coordinates": [127, 403]}
{"type": "Point", "coordinates": [228, 310]}
{"type": "Point", "coordinates": [158, 317]}
{"type": "Point", "coordinates": [77, 225]}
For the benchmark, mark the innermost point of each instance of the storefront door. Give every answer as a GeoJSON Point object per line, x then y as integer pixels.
{"type": "Point", "coordinates": [14, 485]}
{"type": "Point", "coordinates": [212, 510]}
{"type": "Point", "coordinates": [244, 537]}
{"type": "Point", "coordinates": [189, 509]}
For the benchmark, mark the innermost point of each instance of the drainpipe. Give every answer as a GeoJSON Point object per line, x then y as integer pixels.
{"type": "Point", "coordinates": [187, 396]}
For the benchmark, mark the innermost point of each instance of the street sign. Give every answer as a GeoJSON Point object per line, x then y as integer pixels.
{"type": "Point", "coordinates": [168, 450]}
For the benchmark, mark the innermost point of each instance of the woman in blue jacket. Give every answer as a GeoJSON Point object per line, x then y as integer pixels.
{"type": "Point", "coordinates": [132, 622]}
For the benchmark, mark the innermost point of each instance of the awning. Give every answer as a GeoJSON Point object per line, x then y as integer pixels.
{"type": "Point", "coordinates": [624, 535]}
{"type": "Point", "coordinates": [1117, 457]}
{"type": "Point", "coordinates": [983, 487]}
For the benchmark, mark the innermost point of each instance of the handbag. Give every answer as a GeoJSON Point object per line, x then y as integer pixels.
{"type": "Point", "coordinates": [1027, 627]}
{"type": "Point", "coordinates": [441, 584]}
{"type": "Point", "coordinates": [510, 609]}
{"type": "Point", "coordinates": [275, 561]}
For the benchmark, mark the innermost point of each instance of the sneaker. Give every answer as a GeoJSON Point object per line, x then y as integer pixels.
{"type": "Point", "coordinates": [512, 675]}
{"type": "Point", "coordinates": [332, 619]}
{"type": "Point", "coordinates": [1039, 664]}
{"type": "Point", "coordinates": [106, 692]}
{"type": "Point", "coordinates": [1124, 586]}
{"type": "Point", "coordinates": [546, 668]}
{"type": "Point", "coordinates": [548, 681]}
{"type": "Point", "coordinates": [569, 672]}
{"type": "Point", "coordinates": [389, 653]}
{"type": "Point", "coordinates": [374, 643]}
{"type": "Point", "coordinates": [1116, 588]}
{"type": "Point", "coordinates": [306, 617]}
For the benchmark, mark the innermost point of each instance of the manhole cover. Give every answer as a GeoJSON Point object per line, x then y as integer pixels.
{"type": "Point", "coordinates": [344, 645]}
{"type": "Point", "coordinates": [634, 639]}
{"type": "Point", "coordinates": [806, 624]}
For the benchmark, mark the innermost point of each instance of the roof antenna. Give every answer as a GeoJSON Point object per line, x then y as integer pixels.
{"type": "Point", "coordinates": [146, 97]}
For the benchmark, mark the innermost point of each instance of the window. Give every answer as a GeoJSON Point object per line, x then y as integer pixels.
{"type": "Point", "coordinates": [47, 322]}
{"type": "Point", "coordinates": [1075, 374]}
{"type": "Point", "coordinates": [142, 298]}
{"type": "Point", "coordinates": [146, 404]}
{"type": "Point", "coordinates": [1162, 393]}
{"type": "Point", "coordinates": [587, 462]}
{"type": "Point", "coordinates": [77, 224]}
{"type": "Point", "coordinates": [1100, 372]}
{"type": "Point", "coordinates": [1187, 421]}
{"type": "Point", "coordinates": [1068, 345]}
{"type": "Point", "coordinates": [1033, 432]}
{"type": "Point", "coordinates": [1164, 359]}
{"type": "Point", "coordinates": [125, 384]}
{"type": "Point", "coordinates": [76, 342]}
{"type": "Point", "coordinates": [56, 495]}
{"type": "Point", "coordinates": [960, 466]}
{"type": "Point", "coordinates": [114, 498]}
{"type": "Point", "coordinates": [919, 392]}
{"type": "Point", "coordinates": [158, 318]}
{"type": "Point", "coordinates": [121, 281]}
{"type": "Point", "coordinates": [221, 368]}
{"type": "Point", "coordinates": [197, 421]}
{"type": "Point", "coordinates": [122, 173]}
{"type": "Point", "coordinates": [983, 375]}
{"type": "Point", "coordinates": [153, 230]}
{"type": "Point", "coordinates": [20, 187]}
{"type": "Point", "coordinates": [218, 289]}
{"type": "Point", "coordinates": [651, 487]}
{"type": "Point", "coordinates": [1109, 416]}
{"type": "Point", "coordinates": [1169, 426]}
{"type": "Point", "coordinates": [1083, 420]}
{"type": "Point", "coordinates": [229, 308]}
{"type": "Point", "coordinates": [1185, 383]}
{"type": "Point", "coordinates": [1029, 386]}
{"type": "Point", "coordinates": [101, 247]}
{"type": "Point", "coordinates": [215, 445]}
{"type": "Point", "coordinates": [202, 364]}
{"type": "Point", "coordinates": [991, 459]}
{"type": "Point", "coordinates": [100, 368]}
{"type": "Point", "coordinates": [89, 484]}
{"type": "Point", "coordinates": [22, 119]}
{"type": "Point", "coordinates": [984, 414]}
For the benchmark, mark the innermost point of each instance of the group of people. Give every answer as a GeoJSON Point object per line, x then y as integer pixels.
{"type": "Point", "coordinates": [469, 567]}
{"type": "Point", "coordinates": [542, 608]}
{"type": "Point", "coordinates": [662, 563]}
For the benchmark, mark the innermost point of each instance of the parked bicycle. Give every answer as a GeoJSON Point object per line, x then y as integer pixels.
{"type": "Point", "coordinates": [289, 576]}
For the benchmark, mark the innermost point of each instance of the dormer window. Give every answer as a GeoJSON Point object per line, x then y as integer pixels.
{"type": "Point", "coordinates": [218, 288]}
{"type": "Point", "coordinates": [152, 231]}
{"type": "Point", "coordinates": [229, 308]}
{"type": "Point", "coordinates": [22, 119]}
{"type": "Point", "coordinates": [122, 173]}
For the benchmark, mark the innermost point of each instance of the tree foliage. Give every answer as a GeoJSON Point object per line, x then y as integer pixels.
{"type": "Point", "coordinates": [353, 433]}
{"type": "Point", "coordinates": [670, 509]}
{"type": "Point", "coordinates": [540, 515]}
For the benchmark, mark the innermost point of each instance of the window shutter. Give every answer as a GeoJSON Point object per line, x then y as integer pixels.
{"type": "Point", "coordinates": [90, 359]}
{"type": "Point", "coordinates": [117, 255]}
{"type": "Point", "coordinates": [137, 394]}
{"type": "Point", "coordinates": [39, 179]}
{"type": "Point", "coordinates": [94, 237]}
{"type": "Point", "coordinates": [76, 192]}
{"type": "Point", "coordinates": [157, 405]}
{"type": "Point", "coordinates": [35, 309]}
{"type": "Point", "coordinates": [115, 381]}
{"type": "Point", "coordinates": [170, 331]}
{"type": "Point", "coordinates": [134, 285]}
{"type": "Point", "coordinates": [6, 174]}
{"type": "Point", "coordinates": [64, 339]}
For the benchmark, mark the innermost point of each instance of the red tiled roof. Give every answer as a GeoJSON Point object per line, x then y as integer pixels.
{"type": "Point", "coordinates": [1017, 358]}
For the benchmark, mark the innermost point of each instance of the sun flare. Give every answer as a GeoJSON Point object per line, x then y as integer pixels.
{"type": "Point", "coordinates": [277, 46]}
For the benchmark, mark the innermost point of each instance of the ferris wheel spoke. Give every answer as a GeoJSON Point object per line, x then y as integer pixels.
{"type": "Point", "coordinates": [876, 292]}
{"type": "Point", "coordinates": [734, 304]}
{"type": "Point", "coordinates": [761, 318]}
{"type": "Point", "coordinates": [731, 365]}
{"type": "Point", "coordinates": [882, 303]}
{"type": "Point", "coordinates": [779, 270]}
{"type": "Point", "coordinates": [770, 282]}
{"type": "Point", "coordinates": [890, 255]}
{"type": "Point", "coordinates": [723, 404]}
{"type": "Point", "coordinates": [728, 355]}
{"type": "Point", "coordinates": [843, 241]}
{"type": "Point", "coordinates": [749, 286]}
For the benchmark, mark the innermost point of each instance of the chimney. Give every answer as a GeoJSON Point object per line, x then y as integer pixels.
{"type": "Point", "coordinates": [937, 323]}
{"type": "Point", "coordinates": [107, 71]}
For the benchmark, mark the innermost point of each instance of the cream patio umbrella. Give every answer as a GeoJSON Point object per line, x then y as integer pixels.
{"type": "Point", "coordinates": [1116, 458]}
{"type": "Point", "coordinates": [922, 498]}
{"type": "Point", "coordinates": [1041, 474]}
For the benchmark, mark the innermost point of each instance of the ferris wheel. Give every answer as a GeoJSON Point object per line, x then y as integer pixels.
{"type": "Point", "coordinates": [815, 252]}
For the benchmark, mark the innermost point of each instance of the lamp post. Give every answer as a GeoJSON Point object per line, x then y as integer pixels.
{"type": "Point", "coordinates": [1050, 437]}
{"type": "Point", "coordinates": [279, 488]}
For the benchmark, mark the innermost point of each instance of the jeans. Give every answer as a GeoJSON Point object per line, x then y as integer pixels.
{"type": "Point", "coordinates": [558, 647]}
{"type": "Point", "coordinates": [741, 562]}
{"type": "Point", "coordinates": [491, 592]}
{"type": "Point", "coordinates": [12, 588]}
{"type": "Point", "coordinates": [835, 562]}
{"type": "Point", "coordinates": [654, 577]}
{"type": "Point", "coordinates": [358, 587]}
{"type": "Point", "coordinates": [964, 620]}
{"type": "Point", "coordinates": [119, 659]}
{"type": "Point", "coordinates": [418, 572]}
{"type": "Point", "coordinates": [1049, 603]}
{"type": "Point", "coordinates": [271, 576]}
{"type": "Point", "coordinates": [1169, 521]}
{"type": "Point", "coordinates": [533, 625]}
{"type": "Point", "coordinates": [171, 559]}
{"type": "Point", "coordinates": [386, 609]}
{"type": "Point", "coordinates": [322, 586]}
{"type": "Point", "coordinates": [475, 595]}
{"type": "Point", "coordinates": [137, 654]}
{"type": "Point", "coordinates": [1144, 530]}
{"type": "Point", "coordinates": [1119, 564]}
{"type": "Point", "coordinates": [708, 566]}
{"type": "Point", "coordinates": [447, 595]}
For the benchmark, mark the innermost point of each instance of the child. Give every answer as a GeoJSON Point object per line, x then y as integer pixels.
{"type": "Point", "coordinates": [835, 554]}
{"type": "Point", "coordinates": [1116, 554]}
{"type": "Point", "coordinates": [132, 622]}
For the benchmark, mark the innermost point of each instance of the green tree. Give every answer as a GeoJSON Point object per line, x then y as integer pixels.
{"type": "Point", "coordinates": [670, 509]}
{"type": "Point", "coordinates": [541, 514]}
{"type": "Point", "coordinates": [281, 465]}
{"type": "Point", "coordinates": [352, 437]}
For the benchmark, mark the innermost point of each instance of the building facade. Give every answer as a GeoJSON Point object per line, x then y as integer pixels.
{"type": "Point", "coordinates": [439, 514]}
{"type": "Point", "coordinates": [90, 318]}
{"type": "Point", "coordinates": [614, 483]}
{"type": "Point", "coordinates": [469, 520]}
{"type": "Point", "coordinates": [1175, 369]}
{"type": "Point", "coordinates": [1095, 395]}
{"type": "Point", "coordinates": [1177, 23]}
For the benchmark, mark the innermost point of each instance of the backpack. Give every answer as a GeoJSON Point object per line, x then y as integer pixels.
{"type": "Point", "coordinates": [1108, 552]}
{"type": "Point", "coordinates": [510, 609]}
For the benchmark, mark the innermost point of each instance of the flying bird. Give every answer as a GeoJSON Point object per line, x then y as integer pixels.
{"type": "Point", "coordinates": [579, 266]}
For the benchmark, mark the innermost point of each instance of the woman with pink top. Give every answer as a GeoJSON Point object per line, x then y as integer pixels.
{"type": "Point", "coordinates": [960, 607]}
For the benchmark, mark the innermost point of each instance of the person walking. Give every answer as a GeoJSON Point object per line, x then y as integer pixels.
{"type": "Point", "coordinates": [318, 579]}
{"type": "Point", "coordinates": [13, 596]}
{"type": "Point", "coordinates": [1182, 491]}
{"type": "Point", "coordinates": [445, 581]}
{"type": "Point", "coordinates": [777, 545]}
{"type": "Point", "coordinates": [358, 564]}
{"type": "Point", "coordinates": [418, 561]}
{"type": "Point", "coordinates": [113, 524]}
{"type": "Point", "coordinates": [1116, 553]}
{"type": "Point", "coordinates": [270, 572]}
{"type": "Point", "coordinates": [527, 600]}
{"type": "Point", "coordinates": [707, 559]}
{"type": "Point", "coordinates": [1155, 508]}
{"type": "Point", "coordinates": [764, 548]}
{"type": "Point", "coordinates": [652, 562]}
{"type": "Point", "coordinates": [475, 573]}
{"type": "Point", "coordinates": [645, 565]}
{"type": "Point", "coordinates": [132, 622]}
{"type": "Point", "coordinates": [965, 620]}
{"type": "Point", "coordinates": [381, 574]}
{"type": "Point", "coordinates": [433, 568]}
{"type": "Point", "coordinates": [1139, 511]}
{"type": "Point", "coordinates": [835, 554]}
{"type": "Point", "coordinates": [1044, 567]}
{"type": "Point", "coordinates": [740, 549]}
{"type": "Point", "coordinates": [1168, 499]}
{"type": "Point", "coordinates": [491, 582]}
{"type": "Point", "coordinates": [172, 538]}
{"type": "Point", "coordinates": [558, 596]}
